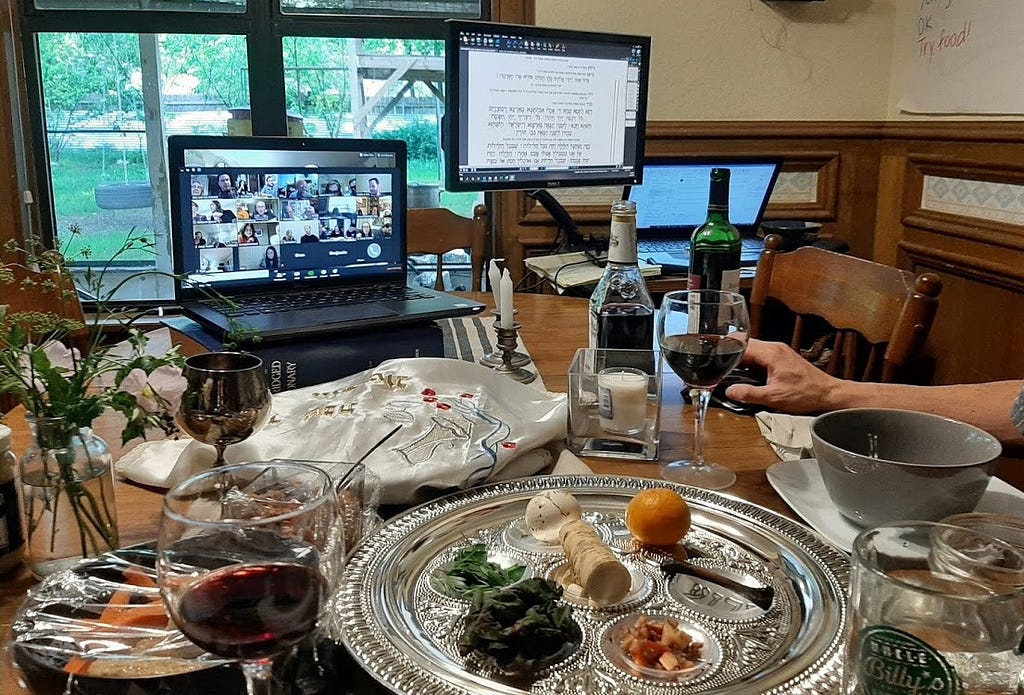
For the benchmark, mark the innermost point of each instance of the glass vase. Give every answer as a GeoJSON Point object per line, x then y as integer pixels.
{"type": "Point", "coordinates": [68, 493]}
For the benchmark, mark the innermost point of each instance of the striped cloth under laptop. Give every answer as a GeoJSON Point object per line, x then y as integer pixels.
{"type": "Point", "coordinates": [471, 337]}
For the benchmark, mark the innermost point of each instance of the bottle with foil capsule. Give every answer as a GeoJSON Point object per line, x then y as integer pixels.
{"type": "Point", "coordinates": [621, 308]}
{"type": "Point", "coordinates": [12, 541]}
{"type": "Point", "coordinates": [715, 245]}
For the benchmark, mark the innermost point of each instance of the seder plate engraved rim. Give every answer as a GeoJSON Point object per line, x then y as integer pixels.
{"type": "Point", "coordinates": [404, 633]}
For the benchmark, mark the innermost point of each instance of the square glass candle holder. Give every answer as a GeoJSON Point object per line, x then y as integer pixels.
{"type": "Point", "coordinates": [615, 403]}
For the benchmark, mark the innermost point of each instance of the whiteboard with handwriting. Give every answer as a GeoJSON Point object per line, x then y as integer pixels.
{"type": "Point", "coordinates": [962, 57]}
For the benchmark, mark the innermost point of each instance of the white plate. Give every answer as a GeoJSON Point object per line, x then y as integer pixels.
{"type": "Point", "coordinates": [799, 483]}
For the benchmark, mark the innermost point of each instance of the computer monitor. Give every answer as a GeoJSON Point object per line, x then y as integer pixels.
{"type": "Point", "coordinates": [535, 108]}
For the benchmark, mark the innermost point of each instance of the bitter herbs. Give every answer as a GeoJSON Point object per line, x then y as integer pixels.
{"type": "Point", "coordinates": [522, 629]}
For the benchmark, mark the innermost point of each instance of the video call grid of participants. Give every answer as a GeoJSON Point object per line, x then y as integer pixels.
{"type": "Point", "coordinates": [243, 212]}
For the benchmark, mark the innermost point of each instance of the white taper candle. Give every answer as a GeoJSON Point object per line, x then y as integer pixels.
{"type": "Point", "coordinates": [506, 299]}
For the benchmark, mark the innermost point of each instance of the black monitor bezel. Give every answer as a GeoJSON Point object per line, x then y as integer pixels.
{"type": "Point", "coordinates": [454, 75]}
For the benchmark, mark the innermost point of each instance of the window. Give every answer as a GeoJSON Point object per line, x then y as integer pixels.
{"type": "Point", "coordinates": [107, 86]}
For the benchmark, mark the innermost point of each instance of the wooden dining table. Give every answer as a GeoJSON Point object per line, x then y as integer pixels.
{"type": "Point", "coordinates": [553, 328]}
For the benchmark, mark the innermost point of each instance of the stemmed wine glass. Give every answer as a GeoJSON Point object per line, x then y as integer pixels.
{"type": "Point", "coordinates": [702, 334]}
{"type": "Point", "coordinates": [226, 400]}
{"type": "Point", "coordinates": [245, 558]}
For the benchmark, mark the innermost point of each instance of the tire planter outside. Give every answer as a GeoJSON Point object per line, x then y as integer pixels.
{"type": "Point", "coordinates": [124, 196]}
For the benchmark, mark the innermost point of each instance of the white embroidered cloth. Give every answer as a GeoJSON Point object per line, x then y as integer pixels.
{"type": "Point", "coordinates": [460, 424]}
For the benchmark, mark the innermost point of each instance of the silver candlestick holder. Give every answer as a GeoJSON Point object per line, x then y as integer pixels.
{"type": "Point", "coordinates": [508, 339]}
{"type": "Point", "coordinates": [495, 358]}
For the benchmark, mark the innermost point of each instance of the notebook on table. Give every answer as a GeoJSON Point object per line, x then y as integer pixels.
{"type": "Point", "coordinates": [672, 201]}
{"type": "Point", "coordinates": [304, 236]}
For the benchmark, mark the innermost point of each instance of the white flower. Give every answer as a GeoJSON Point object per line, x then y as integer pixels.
{"type": "Point", "coordinates": [60, 355]}
{"type": "Point", "coordinates": [158, 392]}
{"type": "Point", "coordinates": [25, 367]}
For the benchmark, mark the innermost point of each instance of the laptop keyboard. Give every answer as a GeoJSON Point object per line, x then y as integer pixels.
{"type": "Point", "coordinates": [319, 299]}
{"type": "Point", "coordinates": [680, 246]}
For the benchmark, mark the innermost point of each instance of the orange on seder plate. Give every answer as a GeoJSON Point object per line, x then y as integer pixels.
{"type": "Point", "coordinates": [658, 517]}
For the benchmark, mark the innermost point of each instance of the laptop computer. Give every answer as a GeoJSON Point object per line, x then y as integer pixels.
{"type": "Point", "coordinates": [304, 235]}
{"type": "Point", "coordinates": [672, 201]}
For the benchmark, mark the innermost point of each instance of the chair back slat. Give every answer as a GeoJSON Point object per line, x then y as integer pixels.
{"type": "Point", "coordinates": [438, 231]}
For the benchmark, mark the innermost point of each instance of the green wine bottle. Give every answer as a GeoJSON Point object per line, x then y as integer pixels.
{"type": "Point", "coordinates": [715, 245]}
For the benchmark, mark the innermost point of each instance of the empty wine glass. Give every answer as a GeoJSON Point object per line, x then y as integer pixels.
{"type": "Point", "coordinates": [245, 558]}
{"type": "Point", "coordinates": [226, 400]}
{"type": "Point", "coordinates": [702, 334]}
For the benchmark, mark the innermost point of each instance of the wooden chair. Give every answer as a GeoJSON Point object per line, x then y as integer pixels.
{"type": "Point", "coordinates": [868, 307]}
{"type": "Point", "coordinates": [438, 231]}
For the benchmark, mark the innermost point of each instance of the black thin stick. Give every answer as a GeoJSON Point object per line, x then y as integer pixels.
{"type": "Point", "coordinates": [376, 446]}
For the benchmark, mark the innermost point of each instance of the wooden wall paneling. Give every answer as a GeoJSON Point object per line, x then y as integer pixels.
{"type": "Point", "coordinates": [973, 337]}
{"type": "Point", "coordinates": [826, 199]}
{"type": "Point", "coordinates": [513, 11]}
{"type": "Point", "coordinates": [999, 237]}
{"type": "Point", "coordinates": [980, 260]}
{"type": "Point", "coordinates": [844, 155]}
{"type": "Point", "coordinates": [857, 194]}
{"type": "Point", "coordinates": [895, 199]}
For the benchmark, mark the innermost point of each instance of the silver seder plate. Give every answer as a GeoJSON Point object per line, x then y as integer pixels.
{"type": "Point", "coordinates": [404, 632]}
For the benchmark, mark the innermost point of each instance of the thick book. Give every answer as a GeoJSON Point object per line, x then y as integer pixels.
{"type": "Point", "coordinates": [314, 360]}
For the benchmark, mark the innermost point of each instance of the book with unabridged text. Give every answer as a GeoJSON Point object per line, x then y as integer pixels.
{"type": "Point", "coordinates": [314, 360]}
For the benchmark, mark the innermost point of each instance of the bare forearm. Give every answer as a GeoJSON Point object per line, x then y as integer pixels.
{"type": "Point", "coordinates": [796, 386]}
{"type": "Point", "coordinates": [985, 405]}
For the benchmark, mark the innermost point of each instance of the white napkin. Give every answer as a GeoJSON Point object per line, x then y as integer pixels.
{"type": "Point", "coordinates": [569, 463]}
{"type": "Point", "coordinates": [788, 435]}
{"type": "Point", "coordinates": [460, 424]}
{"type": "Point", "coordinates": [162, 463]}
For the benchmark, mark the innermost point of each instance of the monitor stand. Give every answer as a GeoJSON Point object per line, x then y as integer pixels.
{"type": "Point", "coordinates": [571, 239]}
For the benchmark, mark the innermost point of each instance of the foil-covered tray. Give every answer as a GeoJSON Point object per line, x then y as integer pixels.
{"type": "Point", "coordinates": [404, 631]}
{"type": "Point", "coordinates": [104, 618]}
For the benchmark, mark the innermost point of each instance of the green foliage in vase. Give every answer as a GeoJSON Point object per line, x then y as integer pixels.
{"type": "Point", "coordinates": [55, 378]}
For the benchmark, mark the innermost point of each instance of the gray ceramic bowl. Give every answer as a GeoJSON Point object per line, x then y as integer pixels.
{"type": "Point", "coordinates": [925, 467]}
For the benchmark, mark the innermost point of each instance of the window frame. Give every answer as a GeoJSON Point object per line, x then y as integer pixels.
{"type": "Point", "coordinates": [264, 26]}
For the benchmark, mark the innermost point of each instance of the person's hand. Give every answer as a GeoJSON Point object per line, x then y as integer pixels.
{"type": "Point", "coordinates": [794, 384]}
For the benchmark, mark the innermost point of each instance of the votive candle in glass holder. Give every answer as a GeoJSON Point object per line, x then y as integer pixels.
{"type": "Point", "coordinates": [614, 404]}
{"type": "Point", "coordinates": [622, 399]}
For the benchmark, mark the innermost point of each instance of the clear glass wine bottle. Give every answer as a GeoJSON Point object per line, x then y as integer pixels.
{"type": "Point", "coordinates": [621, 308]}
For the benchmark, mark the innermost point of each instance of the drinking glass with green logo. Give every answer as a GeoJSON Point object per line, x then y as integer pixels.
{"type": "Point", "coordinates": [934, 610]}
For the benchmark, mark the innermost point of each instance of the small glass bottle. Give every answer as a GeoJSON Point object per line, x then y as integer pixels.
{"type": "Point", "coordinates": [715, 245]}
{"type": "Point", "coordinates": [12, 541]}
{"type": "Point", "coordinates": [621, 308]}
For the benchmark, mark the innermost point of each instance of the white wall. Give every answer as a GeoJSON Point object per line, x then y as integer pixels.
{"type": "Point", "coordinates": [751, 60]}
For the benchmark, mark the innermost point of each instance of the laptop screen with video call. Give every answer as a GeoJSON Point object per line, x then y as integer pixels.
{"type": "Point", "coordinates": [673, 199]}
{"type": "Point", "coordinates": [265, 214]}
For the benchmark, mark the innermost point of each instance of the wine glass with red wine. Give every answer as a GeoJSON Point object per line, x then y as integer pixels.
{"type": "Point", "coordinates": [245, 556]}
{"type": "Point", "coordinates": [702, 334]}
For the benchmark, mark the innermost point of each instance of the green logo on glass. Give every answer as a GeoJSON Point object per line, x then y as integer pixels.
{"type": "Point", "coordinates": [893, 662]}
